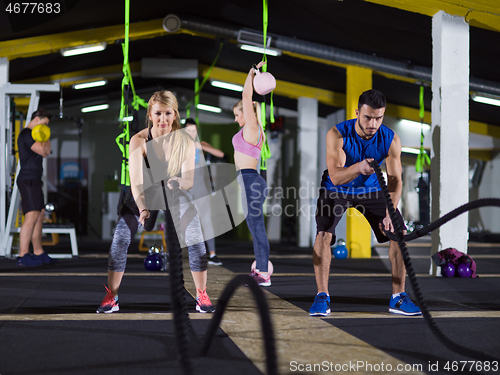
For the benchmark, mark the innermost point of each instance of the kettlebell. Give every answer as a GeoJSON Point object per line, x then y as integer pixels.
{"type": "Point", "coordinates": [340, 251]}
{"type": "Point", "coordinates": [463, 270]}
{"type": "Point", "coordinates": [448, 269]}
{"type": "Point", "coordinates": [41, 133]}
{"type": "Point", "coordinates": [263, 82]}
{"type": "Point", "coordinates": [153, 261]}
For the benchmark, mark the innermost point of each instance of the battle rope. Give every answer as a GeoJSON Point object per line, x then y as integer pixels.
{"type": "Point", "coordinates": [184, 331]}
{"type": "Point", "coordinates": [471, 353]}
{"type": "Point", "coordinates": [484, 202]}
{"type": "Point", "coordinates": [186, 337]}
{"type": "Point", "coordinates": [263, 309]}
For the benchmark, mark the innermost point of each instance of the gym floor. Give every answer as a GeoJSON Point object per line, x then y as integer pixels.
{"type": "Point", "coordinates": [48, 323]}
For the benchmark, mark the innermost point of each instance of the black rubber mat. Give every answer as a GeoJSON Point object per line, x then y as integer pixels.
{"type": "Point", "coordinates": [411, 341]}
{"type": "Point", "coordinates": [75, 286]}
{"type": "Point", "coordinates": [108, 347]}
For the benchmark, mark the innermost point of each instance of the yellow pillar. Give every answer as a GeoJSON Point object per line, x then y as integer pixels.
{"type": "Point", "coordinates": [358, 233]}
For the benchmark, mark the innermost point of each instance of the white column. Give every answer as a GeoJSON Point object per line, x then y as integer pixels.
{"type": "Point", "coordinates": [307, 141]}
{"type": "Point", "coordinates": [4, 70]}
{"type": "Point", "coordinates": [450, 129]}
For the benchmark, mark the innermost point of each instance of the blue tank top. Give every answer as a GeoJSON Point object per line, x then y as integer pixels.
{"type": "Point", "coordinates": [357, 149]}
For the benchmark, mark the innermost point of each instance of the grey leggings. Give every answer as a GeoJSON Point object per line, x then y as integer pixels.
{"type": "Point", "coordinates": [127, 226]}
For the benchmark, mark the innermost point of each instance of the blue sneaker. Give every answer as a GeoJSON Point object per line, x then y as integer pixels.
{"type": "Point", "coordinates": [403, 305]}
{"type": "Point", "coordinates": [44, 258]}
{"type": "Point", "coordinates": [321, 305]}
{"type": "Point", "coordinates": [27, 260]}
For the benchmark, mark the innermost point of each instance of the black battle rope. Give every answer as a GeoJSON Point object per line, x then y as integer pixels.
{"type": "Point", "coordinates": [265, 318]}
{"type": "Point", "coordinates": [184, 331]}
{"type": "Point", "coordinates": [186, 337]}
{"type": "Point", "coordinates": [471, 353]}
{"type": "Point", "coordinates": [444, 219]}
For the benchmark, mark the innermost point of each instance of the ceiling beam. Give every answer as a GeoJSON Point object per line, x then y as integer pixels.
{"type": "Point", "coordinates": [344, 66]}
{"type": "Point", "coordinates": [283, 88]}
{"type": "Point", "coordinates": [86, 75]}
{"type": "Point", "coordinates": [479, 13]}
{"type": "Point", "coordinates": [53, 43]}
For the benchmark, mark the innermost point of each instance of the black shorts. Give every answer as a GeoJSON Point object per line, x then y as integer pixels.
{"type": "Point", "coordinates": [332, 205]}
{"type": "Point", "coordinates": [31, 194]}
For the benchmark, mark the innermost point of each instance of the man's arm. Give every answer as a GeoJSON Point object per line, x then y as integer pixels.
{"type": "Point", "coordinates": [335, 160]}
{"type": "Point", "coordinates": [41, 148]}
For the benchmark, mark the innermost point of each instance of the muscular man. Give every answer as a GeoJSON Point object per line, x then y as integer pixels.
{"type": "Point", "coordinates": [349, 181]}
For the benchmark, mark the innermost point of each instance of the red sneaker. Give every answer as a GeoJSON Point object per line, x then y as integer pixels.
{"type": "Point", "coordinates": [203, 303]}
{"type": "Point", "coordinates": [109, 304]}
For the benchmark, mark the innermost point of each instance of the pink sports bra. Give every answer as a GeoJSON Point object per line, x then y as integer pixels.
{"type": "Point", "coordinates": [246, 148]}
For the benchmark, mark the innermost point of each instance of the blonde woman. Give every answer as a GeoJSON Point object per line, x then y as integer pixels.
{"type": "Point", "coordinates": [160, 153]}
{"type": "Point", "coordinates": [247, 145]}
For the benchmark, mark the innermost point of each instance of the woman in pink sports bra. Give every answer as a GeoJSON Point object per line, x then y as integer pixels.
{"type": "Point", "coordinates": [247, 146]}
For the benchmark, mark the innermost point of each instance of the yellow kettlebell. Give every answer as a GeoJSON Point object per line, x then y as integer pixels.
{"type": "Point", "coordinates": [41, 133]}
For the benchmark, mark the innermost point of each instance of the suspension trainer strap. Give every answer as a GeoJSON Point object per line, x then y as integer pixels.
{"type": "Point", "coordinates": [422, 158]}
{"type": "Point", "coordinates": [197, 90]}
{"type": "Point", "coordinates": [265, 152]}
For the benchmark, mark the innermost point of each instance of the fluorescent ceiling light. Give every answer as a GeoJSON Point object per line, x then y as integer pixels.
{"type": "Point", "coordinates": [129, 118]}
{"type": "Point", "coordinates": [410, 150]}
{"type": "Point", "coordinates": [209, 108]}
{"type": "Point", "coordinates": [486, 99]}
{"type": "Point", "coordinates": [227, 86]}
{"type": "Point", "coordinates": [83, 49]}
{"type": "Point", "coordinates": [88, 85]}
{"type": "Point", "coordinates": [267, 51]}
{"type": "Point", "coordinates": [414, 124]}
{"type": "Point", "coordinates": [94, 108]}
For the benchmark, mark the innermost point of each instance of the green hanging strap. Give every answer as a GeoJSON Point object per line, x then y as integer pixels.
{"type": "Point", "coordinates": [123, 139]}
{"type": "Point", "coordinates": [197, 90]}
{"type": "Point", "coordinates": [197, 96]}
{"type": "Point", "coordinates": [422, 158]}
{"type": "Point", "coordinates": [265, 152]}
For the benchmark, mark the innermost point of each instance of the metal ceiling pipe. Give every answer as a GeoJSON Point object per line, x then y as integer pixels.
{"type": "Point", "coordinates": [353, 58]}
{"type": "Point", "coordinates": [317, 50]}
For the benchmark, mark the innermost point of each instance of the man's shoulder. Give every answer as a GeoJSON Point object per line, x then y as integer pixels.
{"type": "Point", "coordinates": [24, 132]}
{"type": "Point", "coordinates": [386, 129]}
{"type": "Point", "coordinates": [346, 126]}
{"type": "Point", "coordinates": [25, 137]}
{"type": "Point", "coordinates": [387, 132]}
